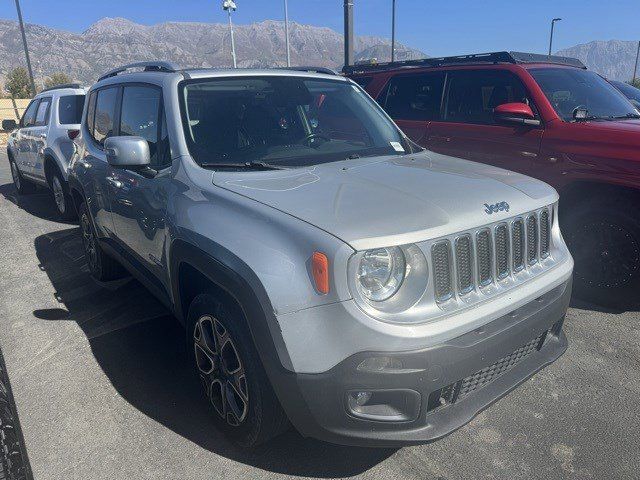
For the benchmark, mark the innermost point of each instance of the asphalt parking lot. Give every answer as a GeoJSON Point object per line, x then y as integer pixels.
{"type": "Point", "coordinates": [102, 388]}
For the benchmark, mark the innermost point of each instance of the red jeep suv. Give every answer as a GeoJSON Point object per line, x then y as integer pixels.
{"type": "Point", "coordinates": [544, 116]}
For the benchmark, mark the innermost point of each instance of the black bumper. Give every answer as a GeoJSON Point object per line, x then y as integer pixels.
{"type": "Point", "coordinates": [448, 384]}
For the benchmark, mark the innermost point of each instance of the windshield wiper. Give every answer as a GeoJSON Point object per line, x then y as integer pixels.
{"type": "Point", "coordinates": [626, 115]}
{"type": "Point", "coordinates": [253, 165]}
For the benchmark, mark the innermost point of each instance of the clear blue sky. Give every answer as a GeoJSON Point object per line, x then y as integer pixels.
{"type": "Point", "coordinates": [436, 27]}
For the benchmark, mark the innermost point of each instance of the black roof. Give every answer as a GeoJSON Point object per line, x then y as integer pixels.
{"type": "Point", "coordinates": [476, 58]}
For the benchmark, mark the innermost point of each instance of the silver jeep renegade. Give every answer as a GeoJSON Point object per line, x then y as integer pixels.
{"type": "Point", "coordinates": [328, 272]}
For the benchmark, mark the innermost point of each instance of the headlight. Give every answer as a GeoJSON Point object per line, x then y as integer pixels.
{"type": "Point", "coordinates": [381, 272]}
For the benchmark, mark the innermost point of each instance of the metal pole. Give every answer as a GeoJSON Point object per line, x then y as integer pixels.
{"type": "Point", "coordinates": [286, 32]}
{"type": "Point", "coordinates": [233, 44]}
{"type": "Point", "coordinates": [393, 30]}
{"type": "Point", "coordinates": [635, 68]}
{"type": "Point", "coordinates": [551, 36]}
{"type": "Point", "coordinates": [348, 32]}
{"type": "Point", "coordinates": [26, 49]}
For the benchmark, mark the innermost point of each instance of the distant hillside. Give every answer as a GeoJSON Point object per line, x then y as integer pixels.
{"type": "Point", "coordinates": [613, 58]}
{"type": "Point", "coordinates": [115, 41]}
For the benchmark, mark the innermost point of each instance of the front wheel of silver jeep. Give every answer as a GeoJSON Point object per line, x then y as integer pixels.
{"type": "Point", "coordinates": [233, 379]}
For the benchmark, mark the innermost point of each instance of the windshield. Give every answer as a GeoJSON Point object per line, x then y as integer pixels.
{"type": "Point", "coordinates": [629, 91]}
{"type": "Point", "coordinates": [569, 88]}
{"type": "Point", "coordinates": [289, 121]}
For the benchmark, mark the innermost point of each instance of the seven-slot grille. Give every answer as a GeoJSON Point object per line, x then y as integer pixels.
{"type": "Point", "coordinates": [492, 254]}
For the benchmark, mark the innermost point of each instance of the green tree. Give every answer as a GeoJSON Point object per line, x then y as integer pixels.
{"type": "Point", "coordinates": [635, 83]}
{"type": "Point", "coordinates": [17, 83]}
{"type": "Point", "coordinates": [57, 78]}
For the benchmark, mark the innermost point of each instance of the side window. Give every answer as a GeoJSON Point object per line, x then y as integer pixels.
{"type": "Point", "coordinates": [70, 109]}
{"type": "Point", "coordinates": [42, 114]}
{"type": "Point", "coordinates": [141, 116]}
{"type": "Point", "coordinates": [363, 81]}
{"type": "Point", "coordinates": [29, 117]}
{"type": "Point", "coordinates": [91, 112]}
{"type": "Point", "coordinates": [415, 97]}
{"type": "Point", "coordinates": [472, 95]}
{"type": "Point", "coordinates": [105, 114]}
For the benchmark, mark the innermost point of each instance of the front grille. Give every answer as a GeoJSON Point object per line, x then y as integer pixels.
{"type": "Point", "coordinates": [441, 257]}
{"type": "Point", "coordinates": [455, 391]}
{"type": "Point", "coordinates": [490, 255]}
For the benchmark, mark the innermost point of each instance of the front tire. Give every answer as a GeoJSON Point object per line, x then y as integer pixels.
{"type": "Point", "coordinates": [61, 196]}
{"type": "Point", "coordinates": [24, 187]}
{"type": "Point", "coordinates": [604, 240]}
{"type": "Point", "coordinates": [225, 360]}
{"type": "Point", "coordinates": [102, 267]}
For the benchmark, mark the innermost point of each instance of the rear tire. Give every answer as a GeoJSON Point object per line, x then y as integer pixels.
{"type": "Point", "coordinates": [61, 196]}
{"type": "Point", "coordinates": [221, 349]}
{"type": "Point", "coordinates": [24, 187]}
{"type": "Point", "coordinates": [604, 240]}
{"type": "Point", "coordinates": [102, 267]}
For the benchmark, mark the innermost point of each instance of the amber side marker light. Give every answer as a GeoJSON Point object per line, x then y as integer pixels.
{"type": "Point", "coordinates": [320, 270]}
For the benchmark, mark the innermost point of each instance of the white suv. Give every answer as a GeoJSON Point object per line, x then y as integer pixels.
{"type": "Point", "coordinates": [41, 146]}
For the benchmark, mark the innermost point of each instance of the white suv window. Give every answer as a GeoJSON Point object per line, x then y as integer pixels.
{"type": "Point", "coordinates": [42, 115]}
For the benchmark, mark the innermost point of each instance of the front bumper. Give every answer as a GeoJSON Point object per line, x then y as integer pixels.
{"type": "Point", "coordinates": [441, 387]}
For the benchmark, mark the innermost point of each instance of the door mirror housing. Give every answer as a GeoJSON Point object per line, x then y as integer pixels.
{"type": "Point", "coordinates": [516, 114]}
{"type": "Point", "coordinates": [127, 152]}
{"type": "Point", "coordinates": [8, 125]}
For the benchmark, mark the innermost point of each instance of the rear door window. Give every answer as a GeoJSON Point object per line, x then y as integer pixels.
{"type": "Point", "coordinates": [70, 109]}
{"type": "Point", "coordinates": [105, 114]}
{"type": "Point", "coordinates": [42, 114]}
{"type": "Point", "coordinates": [415, 97]}
{"type": "Point", "coordinates": [473, 94]}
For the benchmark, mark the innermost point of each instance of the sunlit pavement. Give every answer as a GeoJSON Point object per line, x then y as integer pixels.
{"type": "Point", "coordinates": [102, 389]}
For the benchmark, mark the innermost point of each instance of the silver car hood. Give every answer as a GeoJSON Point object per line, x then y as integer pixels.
{"type": "Point", "coordinates": [391, 200]}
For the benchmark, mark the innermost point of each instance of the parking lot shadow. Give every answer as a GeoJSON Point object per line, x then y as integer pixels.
{"type": "Point", "coordinates": [141, 348]}
{"type": "Point", "coordinates": [39, 203]}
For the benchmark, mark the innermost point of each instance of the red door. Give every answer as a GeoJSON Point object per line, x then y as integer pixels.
{"type": "Point", "coordinates": [468, 129]}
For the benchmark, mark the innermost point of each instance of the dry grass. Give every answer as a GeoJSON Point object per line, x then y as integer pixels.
{"type": "Point", "coordinates": [3, 138]}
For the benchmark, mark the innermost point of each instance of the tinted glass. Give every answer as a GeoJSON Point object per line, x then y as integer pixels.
{"type": "Point", "coordinates": [570, 88]}
{"type": "Point", "coordinates": [288, 120]}
{"type": "Point", "coordinates": [29, 117]}
{"type": "Point", "coordinates": [629, 91]}
{"type": "Point", "coordinates": [91, 112]}
{"type": "Point", "coordinates": [472, 95]}
{"type": "Point", "coordinates": [415, 97]}
{"type": "Point", "coordinates": [362, 81]}
{"type": "Point", "coordinates": [105, 113]}
{"type": "Point", "coordinates": [70, 109]}
{"type": "Point", "coordinates": [140, 113]}
{"type": "Point", "coordinates": [42, 115]}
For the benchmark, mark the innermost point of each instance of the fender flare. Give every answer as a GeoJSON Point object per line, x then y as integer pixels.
{"type": "Point", "coordinates": [49, 152]}
{"type": "Point", "coordinates": [228, 272]}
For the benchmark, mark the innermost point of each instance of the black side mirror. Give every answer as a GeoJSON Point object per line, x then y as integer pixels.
{"type": "Point", "coordinates": [9, 124]}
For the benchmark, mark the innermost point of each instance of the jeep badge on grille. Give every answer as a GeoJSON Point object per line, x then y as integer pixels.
{"type": "Point", "coordinates": [496, 207]}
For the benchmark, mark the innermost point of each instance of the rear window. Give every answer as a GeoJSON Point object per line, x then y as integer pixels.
{"type": "Point", "coordinates": [70, 109]}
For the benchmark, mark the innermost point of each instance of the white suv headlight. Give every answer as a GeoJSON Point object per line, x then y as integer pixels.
{"type": "Point", "coordinates": [387, 281]}
{"type": "Point", "coordinates": [381, 272]}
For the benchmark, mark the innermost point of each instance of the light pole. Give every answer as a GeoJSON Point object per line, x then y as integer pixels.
{"type": "Point", "coordinates": [635, 67]}
{"type": "Point", "coordinates": [286, 32]}
{"type": "Point", "coordinates": [230, 6]}
{"type": "Point", "coordinates": [26, 49]}
{"type": "Point", "coordinates": [348, 32]}
{"type": "Point", "coordinates": [393, 30]}
{"type": "Point", "coordinates": [551, 37]}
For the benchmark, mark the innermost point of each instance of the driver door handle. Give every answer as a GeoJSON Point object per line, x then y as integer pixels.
{"type": "Point", "coordinates": [114, 182]}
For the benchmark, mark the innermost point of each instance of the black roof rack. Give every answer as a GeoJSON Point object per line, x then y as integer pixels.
{"type": "Point", "coordinates": [146, 67]}
{"type": "Point", "coordinates": [62, 85]}
{"type": "Point", "coordinates": [492, 57]}
{"type": "Point", "coordinates": [325, 70]}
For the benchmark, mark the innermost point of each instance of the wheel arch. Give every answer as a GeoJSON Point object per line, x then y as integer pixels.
{"type": "Point", "coordinates": [50, 163]}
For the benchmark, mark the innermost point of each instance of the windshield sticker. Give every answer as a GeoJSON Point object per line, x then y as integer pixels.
{"type": "Point", "coordinates": [396, 146]}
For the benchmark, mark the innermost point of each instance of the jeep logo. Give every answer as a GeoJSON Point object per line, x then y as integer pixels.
{"type": "Point", "coordinates": [496, 207]}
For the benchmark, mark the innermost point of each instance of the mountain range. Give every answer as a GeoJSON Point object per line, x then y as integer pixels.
{"type": "Point", "coordinates": [116, 41]}
{"type": "Point", "coordinates": [614, 59]}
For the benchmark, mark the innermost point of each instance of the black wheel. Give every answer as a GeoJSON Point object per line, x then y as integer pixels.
{"type": "Point", "coordinates": [604, 240]}
{"type": "Point", "coordinates": [102, 266]}
{"type": "Point", "coordinates": [61, 196]}
{"type": "Point", "coordinates": [23, 186]}
{"type": "Point", "coordinates": [242, 400]}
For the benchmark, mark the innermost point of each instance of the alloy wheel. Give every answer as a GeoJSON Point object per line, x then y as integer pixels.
{"type": "Point", "coordinates": [58, 194]}
{"type": "Point", "coordinates": [16, 175]}
{"type": "Point", "coordinates": [89, 242]}
{"type": "Point", "coordinates": [221, 370]}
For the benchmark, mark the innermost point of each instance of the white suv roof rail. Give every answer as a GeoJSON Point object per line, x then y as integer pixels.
{"type": "Point", "coordinates": [155, 66]}
{"type": "Point", "coordinates": [62, 85]}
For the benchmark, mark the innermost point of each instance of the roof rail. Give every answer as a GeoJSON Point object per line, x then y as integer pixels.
{"type": "Point", "coordinates": [156, 66]}
{"type": "Point", "coordinates": [492, 57]}
{"type": "Point", "coordinates": [325, 70]}
{"type": "Point", "coordinates": [62, 85]}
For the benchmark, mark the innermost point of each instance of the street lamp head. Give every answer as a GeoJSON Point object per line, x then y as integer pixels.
{"type": "Point", "coordinates": [229, 5]}
{"type": "Point", "coordinates": [556, 19]}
